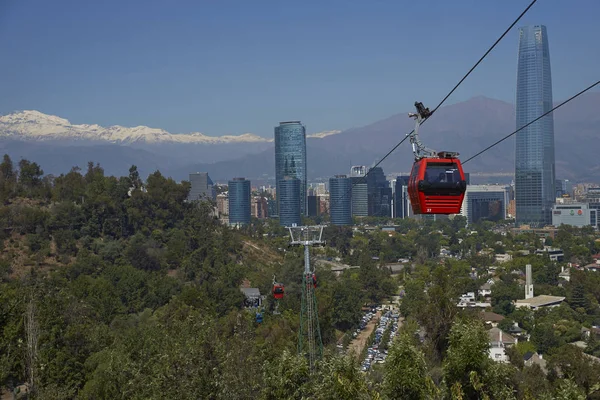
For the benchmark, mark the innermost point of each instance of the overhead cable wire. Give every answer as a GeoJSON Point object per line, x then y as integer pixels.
{"type": "Point", "coordinates": [364, 177]}
{"type": "Point", "coordinates": [532, 121]}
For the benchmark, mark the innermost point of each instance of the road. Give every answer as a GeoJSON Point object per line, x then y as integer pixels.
{"type": "Point", "coordinates": [358, 344]}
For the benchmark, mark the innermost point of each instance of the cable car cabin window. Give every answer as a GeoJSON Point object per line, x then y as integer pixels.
{"type": "Point", "coordinates": [442, 179]}
{"type": "Point", "coordinates": [442, 173]}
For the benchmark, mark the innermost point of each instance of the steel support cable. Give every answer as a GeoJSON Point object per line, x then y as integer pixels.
{"type": "Point", "coordinates": [531, 122]}
{"type": "Point", "coordinates": [363, 178]}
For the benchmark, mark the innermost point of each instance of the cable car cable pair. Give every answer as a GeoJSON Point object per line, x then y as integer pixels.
{"type": "Point", "coordinates": [437, 183]}
{"type": "Point", "coordinates": [363, 179]}
{"type": "Point", "coordinates": [531, 122]}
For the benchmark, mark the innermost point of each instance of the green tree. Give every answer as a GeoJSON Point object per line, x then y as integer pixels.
{"type": "Point", "coordinates": [437, 316]}
{"type": "Point", "coordinates": [467, 355]}
{"type": "Point", "coordinates": [544, 338]}
{"type": "Point", "coordinates": [134, 177]}
{"type": "Point", "coordinates": [574, 365]}
{"type": "Point", "coordinates": [286, 377]}
{"type": "Point", "coordinates": [30, 177]}
{"type": "Point", "coordinates": [577, 299]}
{"type": "Point", "coordinates": [340, 378]}
{"type": "Point", "coordinates": [347, 302]}
{"type": "Point", "coordinates": [8, 179]}
{"type": "Point", "coordinates": [533, 384]}
{"type": "Point", "coordinates": [414, 298]}
{"type": "Point", "coordinates": [144, 253]}
{"type": "Point", "coordinates": [406, 375]}
{"type": "Point", "coordinates": [568, 390]}
{"type": "Point", "coordinates": [503, 295]}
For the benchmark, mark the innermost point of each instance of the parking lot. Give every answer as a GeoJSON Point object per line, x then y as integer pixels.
{"type": "Point", "coordinates": [377, 350]}
{"type": "Point", "coordinates": [361, 335]}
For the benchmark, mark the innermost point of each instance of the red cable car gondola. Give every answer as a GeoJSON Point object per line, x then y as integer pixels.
{"type": "Point", "coordinates": [437, 185]}
{"type": "Point", "coordinates": [278, 291]}
{"type": "Point", "coordinates": [437, 182]}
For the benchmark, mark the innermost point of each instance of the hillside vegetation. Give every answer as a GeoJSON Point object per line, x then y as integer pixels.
{"type": "Point", "coordinates": [117, 288]}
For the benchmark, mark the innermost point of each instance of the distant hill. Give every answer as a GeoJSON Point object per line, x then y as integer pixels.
{"type": "Point", "coordinates": [466, 127]}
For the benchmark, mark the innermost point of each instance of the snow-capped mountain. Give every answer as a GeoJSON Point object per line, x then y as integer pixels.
{"type": "Point", "coordinates": [34, 125]}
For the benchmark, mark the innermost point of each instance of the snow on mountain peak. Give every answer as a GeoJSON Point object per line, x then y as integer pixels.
{"type": "Point", "coordinates": [33, 116]}
{"type": "Point", "coordinates": [35, 125]}
{"type": "Point", "coordinates": [323, 134]}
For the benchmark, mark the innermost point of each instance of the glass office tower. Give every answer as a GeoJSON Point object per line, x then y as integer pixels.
{"type": "Point", "coordinates": [340, 209]}
{"type": "Point", "coordinates": [401, 202]}
{"type": "Point", "coordinates": [534, 161]}
{"type": "Point", "coordinates": [239, 201]}
{"type": "Point", "coordinates": [288, 193]}
{"type": "Point", "coordinates": [201, 187]}
{"type": "Point", "coordinates": [360, 194]}
{"type": "Point", "coordinates": [290, 158]}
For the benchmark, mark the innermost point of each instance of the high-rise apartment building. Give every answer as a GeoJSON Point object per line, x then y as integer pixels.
{"type": "Point", "coordinates": [340, 211]}
{"type": "Point", "coordinates": [201, 187]}
{"type": "Point", "coordinates": [239, 201]}
{"type": "Point", "coordinates": [534, 164]}
{"type": "Point", "coordinates": [223, 203]}
{"type": "Point", "coordinates": [290, 159]}
{"type": "Point", "coordinates": [260, 207]}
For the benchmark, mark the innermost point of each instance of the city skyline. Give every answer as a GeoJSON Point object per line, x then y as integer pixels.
{"type": "Point", "coordinates": [217, 69]}
{"type": "Point", "coordinates": [535, 176]}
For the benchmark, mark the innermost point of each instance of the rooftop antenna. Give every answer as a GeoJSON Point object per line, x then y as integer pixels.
{"type": "Point", "coordinates": [309, 335]}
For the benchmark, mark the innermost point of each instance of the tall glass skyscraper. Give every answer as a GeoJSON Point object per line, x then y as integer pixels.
{"type": "Point", "coordinates": [376, 185]}
{"type": "Point", "coordinates": [290, 158]}
{"type": "Point", "coordinates": [239, 201]}
{"type": "Point", "coordinates": [340, 200]}
{"type": "Point", "coordinates": [401, 202]}
{"type": "Point", "coordinates": [201, 187]}
{"type": "Point", "coordinates": [534, 161]}
{"type": "Point", "coordinates": [288, 193]}
{"type": "Point", "coordinates": [360, 194]}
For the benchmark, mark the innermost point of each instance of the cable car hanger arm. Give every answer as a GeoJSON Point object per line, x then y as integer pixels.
{"type": "Point", "coordinates": [419, 149]}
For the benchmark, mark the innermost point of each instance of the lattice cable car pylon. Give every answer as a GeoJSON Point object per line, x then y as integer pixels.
{"type": "Point", "coordinates": [310, 342]}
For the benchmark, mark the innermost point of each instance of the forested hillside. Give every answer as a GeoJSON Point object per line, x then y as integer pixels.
{"type": "Point", "coordinates": [116, 288]}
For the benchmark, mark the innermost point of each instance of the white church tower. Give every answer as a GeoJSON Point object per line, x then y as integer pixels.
{"type": "Point", "coordinates": [528, 282]}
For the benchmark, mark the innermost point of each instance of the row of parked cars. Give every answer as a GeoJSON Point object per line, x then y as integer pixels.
{"type": "Point", "coordinates": [376, 355]}
{"type": "Point", "coordinates": [367, 317]}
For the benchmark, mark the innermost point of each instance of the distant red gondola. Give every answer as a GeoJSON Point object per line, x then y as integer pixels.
{"type": "Point", "coordinates": [437, 182]}
{"type": "Point", "coordinates": [278, 291]}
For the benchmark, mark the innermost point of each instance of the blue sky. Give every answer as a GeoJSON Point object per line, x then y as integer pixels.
{"type": "Point", "coordinates": [230, 67]}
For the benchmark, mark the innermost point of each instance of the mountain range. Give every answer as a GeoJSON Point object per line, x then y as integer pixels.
{"type": "Point", "coordinates": [466, 127]}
